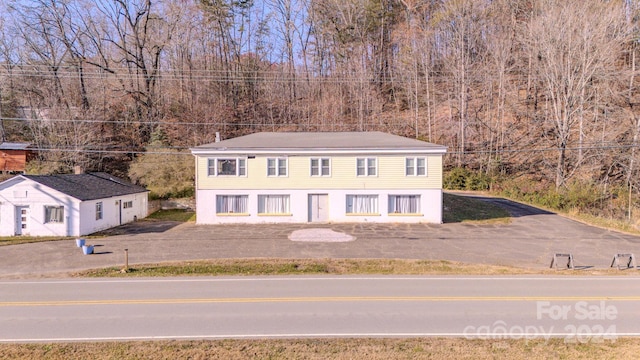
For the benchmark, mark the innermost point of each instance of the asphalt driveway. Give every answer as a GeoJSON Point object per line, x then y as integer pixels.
{"type": "Point", "coordinates": [529, 240]}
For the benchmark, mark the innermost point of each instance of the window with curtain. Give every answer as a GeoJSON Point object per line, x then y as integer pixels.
{"type": "Point", "coordinates": [237, 204]}
{"type": "Point", "coordinates": [273, 204]}
{"type": "Point", "coordinates": [362, 204]}
{"type": "Point", "coordinates": [404, 204]}
{"type": "Point", "coordinates": [53, 214]}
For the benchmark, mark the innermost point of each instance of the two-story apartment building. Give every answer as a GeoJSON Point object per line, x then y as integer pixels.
{"type": "Point", "coordinates": [318, 177]}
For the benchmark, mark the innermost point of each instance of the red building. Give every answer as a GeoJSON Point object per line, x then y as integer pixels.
{"type": "Point", "coordinates": [14, 157]}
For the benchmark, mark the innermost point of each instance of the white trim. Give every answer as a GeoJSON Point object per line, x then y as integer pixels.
{"type": "Point", "coordinates": [326, 152]}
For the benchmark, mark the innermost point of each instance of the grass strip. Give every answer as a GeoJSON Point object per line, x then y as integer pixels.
{"type": "Point", "coordinates": [467, 209]}
{"type": "Point", "coordinates": [173, 215]}
{"type": "Point", "coordinates": [267, 266]}
{"type": "Point", "coordinates": [333, 349]}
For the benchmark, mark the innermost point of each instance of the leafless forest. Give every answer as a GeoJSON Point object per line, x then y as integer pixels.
{"type": "Point", "coordinates": [542, 89]}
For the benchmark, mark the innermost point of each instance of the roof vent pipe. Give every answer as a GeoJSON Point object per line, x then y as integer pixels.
{"type": "Point", "coordinates": [217, 136]}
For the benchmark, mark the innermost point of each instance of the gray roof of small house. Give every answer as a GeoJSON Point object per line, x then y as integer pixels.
{"type": "Point", "coordinates": [90, 186]}
{"type": "Point", "coordinates": [290, 141]}
{"type": "Point", "coordinates": [14, 146]}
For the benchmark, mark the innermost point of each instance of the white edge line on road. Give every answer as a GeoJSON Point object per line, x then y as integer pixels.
{"type": "Point", "coordinates": [328, 278]}
{"type": "Point", "coordinates": [488, 336]}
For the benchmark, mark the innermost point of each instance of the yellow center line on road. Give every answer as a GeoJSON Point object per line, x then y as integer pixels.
{"type": "Point", "coordinates": [315, 299]}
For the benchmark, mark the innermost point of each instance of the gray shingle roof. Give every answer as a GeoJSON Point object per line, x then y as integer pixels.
{"type": "Point", "coordinates": [89, 186]}
{"type": "Point", "coordinates": [374, 140]}
{"type": "Point", "coordinates": [14, 146]}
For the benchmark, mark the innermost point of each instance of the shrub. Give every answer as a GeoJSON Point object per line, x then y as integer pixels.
{"type": "Point", "coordinates": [165, 172]}
{"type": "Point", "coordinates": [456, 179]}
{"type": "Point", "coordinates": [463, 179]}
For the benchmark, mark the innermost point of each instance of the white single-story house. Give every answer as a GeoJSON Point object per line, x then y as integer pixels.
{"type": "Point", "coordinates": [68, 204]}
{"type": "Point", "coordinates": [295, 177]}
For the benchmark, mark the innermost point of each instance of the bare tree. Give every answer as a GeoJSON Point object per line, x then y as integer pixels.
{"type": "Point", "coordinates": [130, 37]}
{"type": "Point", "coordinates": [577, 44]}
{"type": "Point", "coordinates": [459, 33]}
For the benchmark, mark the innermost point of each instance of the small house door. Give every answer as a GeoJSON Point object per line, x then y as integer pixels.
{"type": "Point", "coordinates": [22, 220]}
{"type": "Point", "coordinates": [318, 207]}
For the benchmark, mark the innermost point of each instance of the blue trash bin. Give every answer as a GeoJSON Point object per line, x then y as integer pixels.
{"type": "Point", "coordinates": [87, 249]}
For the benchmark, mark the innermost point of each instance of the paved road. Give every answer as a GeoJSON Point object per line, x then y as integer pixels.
{"type": "Point", "coordinates": [529, 240]}
{"type": "Point", "coordinates": [577, 308]}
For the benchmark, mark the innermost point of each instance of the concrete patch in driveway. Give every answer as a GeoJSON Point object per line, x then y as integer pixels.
{"type": "Point", "coordinates": [319, 235]}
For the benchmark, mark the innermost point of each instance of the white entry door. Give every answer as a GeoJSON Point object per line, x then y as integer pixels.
{"type": "Point", "coordinates": [318, 207]}
{"type": "Point", "coordinates": [22, 220]}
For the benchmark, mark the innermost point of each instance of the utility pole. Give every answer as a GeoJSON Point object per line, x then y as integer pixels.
{"type": "Point", "coordinates": [2, 134]}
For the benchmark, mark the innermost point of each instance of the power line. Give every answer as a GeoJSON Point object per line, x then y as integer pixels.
{"type": "Point", "coordinates": [244, 75]}
{"type": "Point", "coordinates": [467, 152]}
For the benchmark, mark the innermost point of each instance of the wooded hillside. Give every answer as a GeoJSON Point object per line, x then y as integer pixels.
{"type": "Point", "coordinates": [540, 88]}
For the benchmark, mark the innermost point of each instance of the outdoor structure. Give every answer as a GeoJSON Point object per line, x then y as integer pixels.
{"type": "Point", "coordinates": [68, 205]}
{"type": "Point", "coordinates": [14, 157]}
{"type": "Point", "coordinates": [318, 177]}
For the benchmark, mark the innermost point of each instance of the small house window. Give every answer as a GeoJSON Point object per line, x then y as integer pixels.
{"type": "Point", "coordinates": [99, 211]}
{"type": "Point", "coordinates": [53, 214]}
{"type": "Point", "coordinates": [127, 204]}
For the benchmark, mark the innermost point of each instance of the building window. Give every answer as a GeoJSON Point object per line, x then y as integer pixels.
{"type": "Point", "coordinates": [53, 214]}
{"type": "Point", "coordinates": [232, 204]}
{"type": "Point", "coordinates": [276, 167]}
{"type": "Point", "coordinates": [320, 167]}
{"type": "Point", "coordinates": [273, 204]}
{"type": "Point", "coordinates": [416, 166]}
{"type": "Point", "coordinates": [362, 204]}
{"type": "Point", "coordinates": [127, 204]}
{"type": "Point", "coordinates": [227, 167]}
{"type": "Point", "coordinates": [99, 211]}
{"type": "Point", "coordinates": [366, 167]}
{"type": "Point", "coordinates": [404, 204]}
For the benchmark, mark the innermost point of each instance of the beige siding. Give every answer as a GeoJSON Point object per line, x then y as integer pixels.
{"type": "Point", "coordinates": [391, 175]}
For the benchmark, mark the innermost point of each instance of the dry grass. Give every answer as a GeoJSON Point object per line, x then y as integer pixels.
{"type": "Point", "coordinates": [218, 267]}
{"type": "Point", "coordinates": [339, 349]}
{"type": "Point", "coordinates": [173, 215]}
{"type": "Point", "coordinates": [15, 240]}
{"type": "Point", "coordinates": [269, 266]}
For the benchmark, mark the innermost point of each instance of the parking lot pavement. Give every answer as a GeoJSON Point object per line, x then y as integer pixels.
{"type": "Point", "coordinates": [529, 240]}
